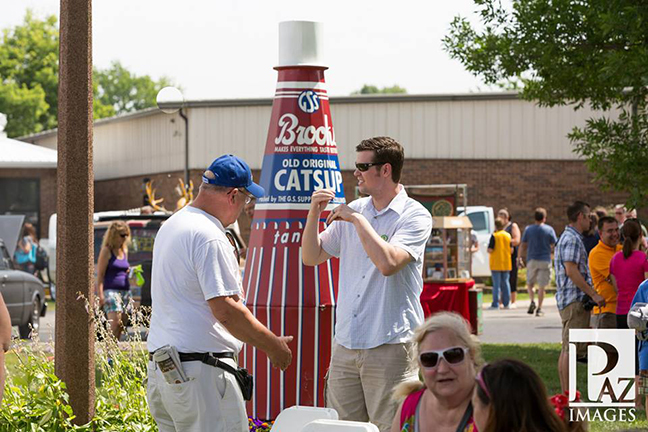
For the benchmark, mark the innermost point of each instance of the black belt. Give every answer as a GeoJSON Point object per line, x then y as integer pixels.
{"type": "Point", "coordinates": [243, 378]}
{"type": "Point", "coordinates": [202, 357]}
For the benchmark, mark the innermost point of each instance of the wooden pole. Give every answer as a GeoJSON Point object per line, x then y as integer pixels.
{"type": "Point", "coordinates": [74, 349]}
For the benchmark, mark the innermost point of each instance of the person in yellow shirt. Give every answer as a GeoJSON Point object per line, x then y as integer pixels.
{"type": "Point", "coordinates": [599, 264]}
{"type": "Point", "coordinates": [499, 249]}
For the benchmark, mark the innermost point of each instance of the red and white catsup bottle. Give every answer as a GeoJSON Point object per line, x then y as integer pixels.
{"type": "Point", "coordinates": [288, 297]}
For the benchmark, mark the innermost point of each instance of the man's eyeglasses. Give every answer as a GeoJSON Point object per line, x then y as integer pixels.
{"type": "Point", "coordinates": [454, 356]}
{"type": "Point", "coordinates": [362, 167]}
{"type": "Point", "coordinates": [246, 194]}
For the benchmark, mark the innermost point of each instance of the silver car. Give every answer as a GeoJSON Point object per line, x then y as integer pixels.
{"type": "Point", "coordinates": [23, 293]}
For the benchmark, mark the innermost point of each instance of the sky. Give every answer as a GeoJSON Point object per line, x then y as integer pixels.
{"type": "Point", "coordinates": [227, 48]}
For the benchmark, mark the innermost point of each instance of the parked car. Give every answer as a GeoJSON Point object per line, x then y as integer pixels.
{"type": "Point", "coordinates": [483, 222]}
{"type": "Point", "coordinates": [49, 244]}
{"type": "Point", "coordinates": [23, 293]}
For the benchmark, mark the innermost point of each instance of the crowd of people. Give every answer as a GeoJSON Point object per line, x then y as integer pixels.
{"type": "Point", "coordinates": [600, 265]}
{"type": "Point", "coordinates": [389, 366]}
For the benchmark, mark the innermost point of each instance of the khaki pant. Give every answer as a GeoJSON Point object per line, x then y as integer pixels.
{"type": "Point", "coordinates": [360, 382]}
{"type": "Point", "coordinates": [210, 402]}
{"type": "Point", "coordinates": [574, 316]}
{"type": "Point", "coordinates": [605, 320]}
{"type": "Point", "coordinates": [538, 272]}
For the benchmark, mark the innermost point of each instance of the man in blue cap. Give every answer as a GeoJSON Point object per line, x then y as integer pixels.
{"type": "Point", "coordinates": [197, 309]}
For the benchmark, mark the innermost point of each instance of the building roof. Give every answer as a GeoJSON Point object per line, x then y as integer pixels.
{"type": "Point", "coordinates": [18, 154]}
{"type": "Point", "coordinates": [353, 99]}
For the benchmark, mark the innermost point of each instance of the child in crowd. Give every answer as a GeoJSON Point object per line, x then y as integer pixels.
{"type": "Point", "coordinates": [499, 249]}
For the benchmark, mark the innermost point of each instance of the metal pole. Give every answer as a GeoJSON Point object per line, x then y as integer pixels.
{"type": "Point", "coordinates": [186, 167]}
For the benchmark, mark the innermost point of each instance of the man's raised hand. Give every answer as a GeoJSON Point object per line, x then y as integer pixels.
{"type": "Point", "coordinates": [341, 212]}
{"type": "Point", "coordinates": [320, 199]}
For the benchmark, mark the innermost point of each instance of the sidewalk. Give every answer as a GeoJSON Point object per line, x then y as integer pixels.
{"type": "Point", "coordinates": [516, 326]}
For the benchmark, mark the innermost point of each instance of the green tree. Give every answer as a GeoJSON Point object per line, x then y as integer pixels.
{"type": "Point", "coordinates": [29, 62]}
{"type": "Point", "coordinates": [372, 89]}
{"type": "Point", "coordinates": [28, 75]}
{"type": "Point", "coordinates": [572, 52]}
{"type": "Point", "coordinates": [123, 91]}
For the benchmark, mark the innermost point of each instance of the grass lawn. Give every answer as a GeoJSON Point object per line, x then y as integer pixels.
{"type": "Point", "coordinates": [543, 358]}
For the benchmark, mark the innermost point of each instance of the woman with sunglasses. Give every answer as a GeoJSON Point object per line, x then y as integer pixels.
{"type": "Point", "coordinates": [112, 275]}
{"type": "Point", "coordinates": [447, 356]}
{"type": "Point", "coordinates": [510, 396]}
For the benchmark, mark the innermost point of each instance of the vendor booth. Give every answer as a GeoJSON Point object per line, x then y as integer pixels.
{"type": "Point", "coordinates": [446, 267]}
{"type": "Point", "coordinates": [447, 279]}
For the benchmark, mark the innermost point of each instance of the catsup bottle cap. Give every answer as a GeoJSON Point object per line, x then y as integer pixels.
{"type": "Point", "coordinates": [300, 43]}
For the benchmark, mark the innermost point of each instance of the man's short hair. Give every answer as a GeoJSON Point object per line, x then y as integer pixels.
{"type": "Point", "coordinates": [540, 214]}
{"type": "Point", "coordinates": [499, 224]}
{"type": "Point", "coordinates": [387, 150]}
{"type": "Point", "coordinates": [576, 208]}
{"type": "Point", "coordinates": [214, 188]}
{"type": "Point", "coordinates": [606, 219]}
{"type": "Point", "coordinates": [600, 211]}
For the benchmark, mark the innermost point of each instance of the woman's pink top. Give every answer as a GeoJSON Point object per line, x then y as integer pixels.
{"type": "Point", "coordinates": [629, 273]}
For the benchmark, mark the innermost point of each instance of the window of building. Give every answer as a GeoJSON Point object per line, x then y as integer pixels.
{"type": "Point", "coordinates": [21, 196]}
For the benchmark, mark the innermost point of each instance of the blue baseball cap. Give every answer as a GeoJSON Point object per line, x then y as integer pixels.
{"type": "Point", "coordinates": [231, 171]}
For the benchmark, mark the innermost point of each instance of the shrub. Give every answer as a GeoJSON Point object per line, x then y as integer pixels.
{"type": "Point", "coordinates": [36, 400]}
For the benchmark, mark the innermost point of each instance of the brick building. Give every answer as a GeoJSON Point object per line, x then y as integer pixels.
{"type": "Point", "coordinates": [27, 181]}
{"type": "Point", "coordinates": [511, 153]}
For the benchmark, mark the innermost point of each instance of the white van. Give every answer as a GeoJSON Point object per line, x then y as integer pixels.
{"type": "Point", "coordinates": [483, 221]}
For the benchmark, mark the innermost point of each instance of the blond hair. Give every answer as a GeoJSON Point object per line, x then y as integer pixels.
{"type": "Point", "coordinates": [113, 233]}
{"type": "Point", "coordinates": [456, 325]}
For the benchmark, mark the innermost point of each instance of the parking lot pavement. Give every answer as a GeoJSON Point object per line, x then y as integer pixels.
{"type": "Point", "coordinates": [47, 325]}
{"type": "Point", "coordinates": [516, 326]}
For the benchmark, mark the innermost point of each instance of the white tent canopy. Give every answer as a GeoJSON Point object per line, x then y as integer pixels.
{"type": "Point", "coordinates": [18, 154]}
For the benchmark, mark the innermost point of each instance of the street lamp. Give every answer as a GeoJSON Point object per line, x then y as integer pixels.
{"type": "Point", "coordinates": [170, 101]}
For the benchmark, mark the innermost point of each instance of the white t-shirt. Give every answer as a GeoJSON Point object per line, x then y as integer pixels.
{"type": "Point", "coordinates": [373, 309]}
{"type": "Point", "coordinates": [193, 261]}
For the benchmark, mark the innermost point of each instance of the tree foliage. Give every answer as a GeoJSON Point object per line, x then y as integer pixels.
{"type": "Point", "coordinates": [372, 89]}
{"type": "Point", "coordinates": [28, 75]}
{"type": "Point", "coordinates": [123, 91]}
{"type": "Point", "coordinates": [29, 63]}
{"type": "Point", "coordinates": [571, 52]}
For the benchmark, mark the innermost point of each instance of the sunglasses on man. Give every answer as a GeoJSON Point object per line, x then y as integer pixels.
{"type": "Point", "coordinates": [362, 167]}
{"type": "Point", "coordinates": [453, 356]}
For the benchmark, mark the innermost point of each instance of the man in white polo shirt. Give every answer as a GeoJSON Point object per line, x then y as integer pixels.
{"type": "Point", "coordinates": [380, 241]}
{"type": "Point", "coordinates": [197, 308]}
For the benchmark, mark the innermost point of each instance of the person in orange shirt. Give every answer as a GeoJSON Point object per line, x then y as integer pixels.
{"type": "Point", "coordinates": [499, 249]}
{"type": "Point", "coordinates": [599, 264]}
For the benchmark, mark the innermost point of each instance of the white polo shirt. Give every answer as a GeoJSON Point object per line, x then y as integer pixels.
{"type": "Point", "coordinates": [373, 309]}
{"type": "Point", "coordinates": [193, 261]}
